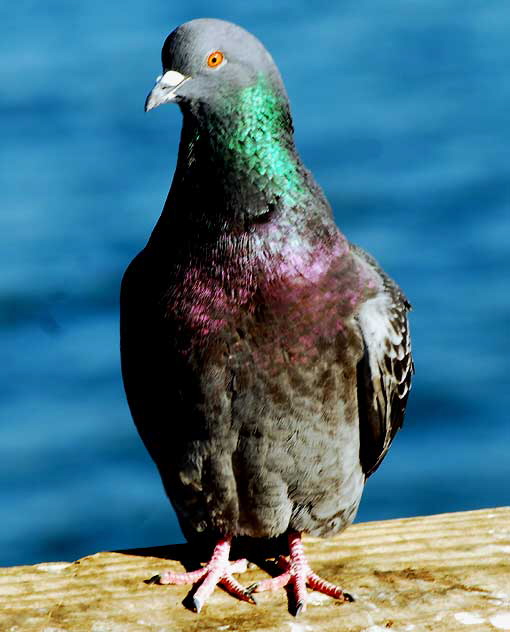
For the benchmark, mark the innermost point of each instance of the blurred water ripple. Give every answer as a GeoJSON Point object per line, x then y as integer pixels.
{"type": "Point", "coordinates": [402, 114]}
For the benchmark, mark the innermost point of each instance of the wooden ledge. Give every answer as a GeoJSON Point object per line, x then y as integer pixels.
{"type": "Point", "coordinates": [441, 573]}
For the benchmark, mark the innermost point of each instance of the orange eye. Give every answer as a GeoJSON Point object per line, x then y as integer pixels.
{"type": "Point", "coordinates": [215, 59]}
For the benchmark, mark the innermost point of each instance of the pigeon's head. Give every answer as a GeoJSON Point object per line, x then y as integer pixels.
{"type": "Point", "coordinates": [207, 62]}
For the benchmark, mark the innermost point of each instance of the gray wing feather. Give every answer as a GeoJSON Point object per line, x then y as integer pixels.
{"type": "Point", "coordinates": [385, 370]}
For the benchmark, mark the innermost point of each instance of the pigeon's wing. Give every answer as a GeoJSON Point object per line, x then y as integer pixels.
{"type": "Point", "coordinates": [385, 369]}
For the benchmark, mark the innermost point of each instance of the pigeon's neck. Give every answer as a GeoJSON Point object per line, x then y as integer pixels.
{"type": "Point", "coordinates": [240, 156]}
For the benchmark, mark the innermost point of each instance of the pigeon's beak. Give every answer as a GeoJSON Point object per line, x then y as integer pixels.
{"type": "Point", "coordinates": [164, 90]}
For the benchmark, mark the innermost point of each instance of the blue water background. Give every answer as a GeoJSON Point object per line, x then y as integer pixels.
{"type": "Point", "coordinates": [402, 111]}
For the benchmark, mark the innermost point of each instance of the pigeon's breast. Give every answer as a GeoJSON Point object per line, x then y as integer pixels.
{"type": "Point", "coordinates": [289, 306]}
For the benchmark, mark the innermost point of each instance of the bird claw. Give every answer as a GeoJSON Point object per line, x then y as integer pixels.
{"type": "Point", "coordinates": [197, 604]}
{"type": "Point", "coordinates": [297, 572]}
{"type": "Point", "coordinates": [217, 571]}
{"type": "Point", "coordinates": [252, 588]}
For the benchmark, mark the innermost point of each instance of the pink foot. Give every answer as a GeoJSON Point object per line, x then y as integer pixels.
{"type": "Point", "coordinates": [298, 573]}
{"type": "Point", "coordinates": [217, 571]}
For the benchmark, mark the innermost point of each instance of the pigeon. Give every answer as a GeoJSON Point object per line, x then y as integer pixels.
{"type": "Point", "coordinates": [266, 360]}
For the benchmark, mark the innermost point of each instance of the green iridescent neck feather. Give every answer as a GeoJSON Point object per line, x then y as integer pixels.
{"type": "Point", "coordinates": [247, 143]}
{"type": "Point", "coordinates": [260, 141]}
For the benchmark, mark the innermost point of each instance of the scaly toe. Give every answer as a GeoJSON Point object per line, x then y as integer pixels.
{"type": "Point", "coordinates": [236, 589]}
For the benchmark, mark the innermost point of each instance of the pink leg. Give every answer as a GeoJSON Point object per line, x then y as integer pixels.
{"type": "Point", "coordinates": [217, 571]}
{"type": "Point", "coordinates": [298, 572]}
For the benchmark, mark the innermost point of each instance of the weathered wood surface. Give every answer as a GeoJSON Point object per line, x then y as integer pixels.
{"type": "Point", "coordinates": [441, 573]}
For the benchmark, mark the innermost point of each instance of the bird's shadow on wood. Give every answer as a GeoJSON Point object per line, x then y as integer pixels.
{"type": "Point", "coordinates": [183, 553]}
{"type": "Point", "coordinates": [257, 551]}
